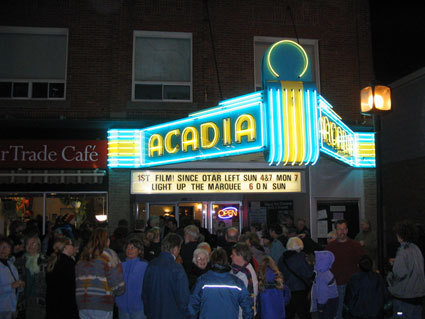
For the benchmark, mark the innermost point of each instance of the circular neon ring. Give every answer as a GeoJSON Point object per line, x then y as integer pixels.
{"type": "Point", "coordinates": [304, 54]}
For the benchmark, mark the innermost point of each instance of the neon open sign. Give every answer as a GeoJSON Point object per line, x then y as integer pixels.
{"type": "Point", "coordinates": [227, 213]}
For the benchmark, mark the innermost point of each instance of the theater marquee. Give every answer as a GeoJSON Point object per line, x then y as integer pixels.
{"type": "Point", "coordinates": [288, 121]}
{"type": "Point", "coordinates": [161, 182]}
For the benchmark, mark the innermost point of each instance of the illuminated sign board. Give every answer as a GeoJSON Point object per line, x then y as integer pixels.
{"type": "Point", "coordinates": [161, 182]}
{"type": "Point", "coordinates": [288, 121]}
{"type": "Point", "coordinates": [227, 213]}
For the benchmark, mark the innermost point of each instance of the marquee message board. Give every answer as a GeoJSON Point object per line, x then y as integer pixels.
{"type": "Point", "coordinates": [161, 182]}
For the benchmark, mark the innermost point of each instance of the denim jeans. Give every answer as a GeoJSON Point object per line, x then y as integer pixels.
{"type": "Point", "coordinates": [132, 315]}
{"type": "Point", "coordinates": [341, 295]}
{"type": "Point", "coordinates": [95, 314]}
{"type": "Point", "coordinates": [406, 310]}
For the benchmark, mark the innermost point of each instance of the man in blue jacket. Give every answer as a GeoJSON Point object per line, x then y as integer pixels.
{"type": "Point", "coordinates": [165, 286]}
{"type": "Point", "coordinates": [218, 294]}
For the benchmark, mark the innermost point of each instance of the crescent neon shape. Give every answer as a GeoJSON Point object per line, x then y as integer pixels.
{"type": "Point", "coordinates": [304, 54]}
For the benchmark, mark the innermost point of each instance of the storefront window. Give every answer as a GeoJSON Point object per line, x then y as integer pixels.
{"type": "Point", "coordinates": [53, 208]}
{"type": "Point", "coordinates": [225, 215]}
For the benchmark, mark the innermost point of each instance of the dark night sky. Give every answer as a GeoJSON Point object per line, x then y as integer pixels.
{"type": "Point", "coordinates": [398, 38]}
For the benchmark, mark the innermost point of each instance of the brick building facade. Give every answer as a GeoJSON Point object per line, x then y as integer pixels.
{"type": "Point", "coordinates": [99, 85]}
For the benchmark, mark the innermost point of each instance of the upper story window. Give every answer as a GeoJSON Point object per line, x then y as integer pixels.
{"type": "Point", "coordinates": [261, 44]}
{"type": "Point", "coordinates": [33, 62]}
{"type": "Point", "coordinates": [162, 66]}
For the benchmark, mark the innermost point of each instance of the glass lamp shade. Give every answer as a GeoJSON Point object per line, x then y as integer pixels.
{"type": "Point", "coordinates": [101, 217]}
{"type": "Point", "coordinates": [375, 99]}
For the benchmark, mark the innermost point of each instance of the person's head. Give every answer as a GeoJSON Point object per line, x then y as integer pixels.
{"type": "Point", "coordinates": [206, 246]}
{"type": "Point", "coordinates": [289, 220]}
{"type": "Point", "coordinates": [405, 231]}
{"type": "Point", "coordinates": [275, 230]}
{"type": "Point", "coordinates": [219, 257]}
{"type": "Point", "coordinates": [267, 239]}
{"type": "Point", "coordinates": [241, 254]}
{"type": "Point", "coordinates": [32, 245]}
{"type": "Point", "coordinates": [331, 236]}
{"type": "Point", "coordinates": [341, 229]}
{"type": "Point", "coordinates": [300, 224]}
{"type": "Point", "coordinates": [134, 248]}
{"type": "Point", "coordinates": [365, 225]}
{"type": "Point", "coordinates": [268, 272]}
{"type": "Point", "coordinates": [254, 240]}
{"type": "Point", "coordinates": [172, 244]}
{"type": "Point", "coordinates": [98, 242]}
{"type": "Point", "coordinates": [18, 244]}
{"type": "Point", "coordinates": [201, 257]}
{"type": "Point", "coordinates": [295, 244]}
{"type": "Point", "coordinates": [62, 245]}
{"type": "Point", "coordinates": [153, 235]}
{"type": "Point", "coordinates": [153, 221]}
{"type": "Point", "coordinates": [16, 227]}
{"type": "Point", "coordinates": [76, 243]}
{"type": "Point", "coordinates": [232, 235]}
{"type": "Point", "coordinates": [221, 224]}
{"type": "Point", "coordinates": [365, 263]}
{"type": "Point", "coordinates": [244, 238]}
{"type": "Point", "coordinates": [172, 224]}
{"type": "Point", "coordinates": [5, 248]}
{"type": "Point", "coordinates": [191, 234]}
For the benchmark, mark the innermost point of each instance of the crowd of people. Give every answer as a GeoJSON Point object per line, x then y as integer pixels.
{"type": "Point", "coordinates": [166, 271]}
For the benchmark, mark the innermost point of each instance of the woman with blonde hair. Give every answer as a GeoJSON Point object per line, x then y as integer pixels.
{"type": "Point", "coordinates": [273, 294]}
{"type": "Point", "coordinates": [60, 280]}
{"type": "Point", "coordinates": [99, 278]}
{"type": "Point", "coordinates": [200, 265]}
{"type": "Point", "coordinates": [152, 243]}
{"type": "Point", "coordinates": [32, 267]}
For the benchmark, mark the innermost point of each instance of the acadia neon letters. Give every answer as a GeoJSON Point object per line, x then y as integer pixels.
{"type": "Point", "coordinates": [206, 136]}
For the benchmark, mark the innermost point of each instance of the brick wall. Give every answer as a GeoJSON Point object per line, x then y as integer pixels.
{"type": "Point", "coordinates": [100, 50]}
{"type": "Point", "coordinates": [99, 73]}
{"type": "Point", "coordinates": [119, 198]}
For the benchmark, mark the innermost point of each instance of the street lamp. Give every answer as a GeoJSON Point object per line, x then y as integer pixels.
{"type": "Point", "coordinates": [375, 100]}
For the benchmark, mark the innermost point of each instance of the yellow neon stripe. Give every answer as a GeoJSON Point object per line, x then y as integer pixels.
{"type": "Point", "coordinates": [126, 151]}
{"type": "Point", "coordinates": [302, 132]}
{"type": "Point", "coordinates": [126, 144]}
{"type": "Point", "coordinates": [295, 139]}
{"type": "Point", "coordinates": [294, 128]}
{"type": "Point", "coordinates": [123, 155]}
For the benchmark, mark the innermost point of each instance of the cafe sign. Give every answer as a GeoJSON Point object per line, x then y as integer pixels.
{"type": "Point", "coordinates": [53, 154]}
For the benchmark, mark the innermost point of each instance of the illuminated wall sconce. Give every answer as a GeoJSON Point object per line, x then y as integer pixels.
{"type": "Point", "coordinates": [102, 217]}
{"type": "Point", "coordinates": [375, 98]}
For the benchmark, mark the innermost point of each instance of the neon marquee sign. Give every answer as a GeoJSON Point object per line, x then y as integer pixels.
{"type": "Point", "coordinates": [288, 121]}
{"type": "Point", "coordinates": [227, 213]}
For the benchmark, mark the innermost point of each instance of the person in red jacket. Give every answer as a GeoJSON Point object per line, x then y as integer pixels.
{"type": "Point", "coordinates": [347, 254]}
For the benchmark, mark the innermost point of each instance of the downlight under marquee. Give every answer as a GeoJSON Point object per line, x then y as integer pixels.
{"type": "Point", "coordinates": [288, 121]}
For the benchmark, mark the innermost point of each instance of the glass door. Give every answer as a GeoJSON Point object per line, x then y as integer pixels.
{"type": "Point", "coordinates": [223, 215]}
